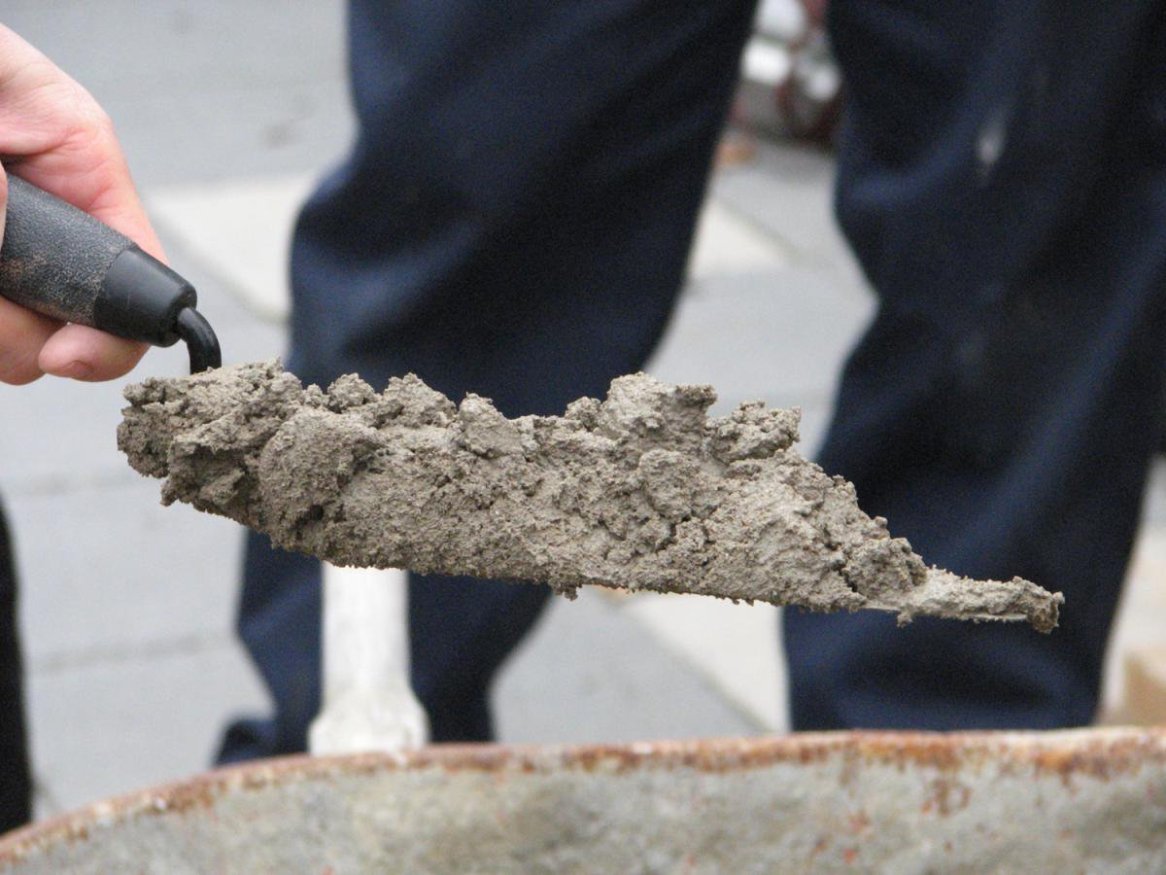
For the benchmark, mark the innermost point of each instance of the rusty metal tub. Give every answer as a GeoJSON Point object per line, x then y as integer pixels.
{"type": "Point", "coordinates": [1079, 801]}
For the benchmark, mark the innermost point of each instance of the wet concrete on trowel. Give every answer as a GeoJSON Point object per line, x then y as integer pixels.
{"type": "Point", "coordinates": [642, 491]}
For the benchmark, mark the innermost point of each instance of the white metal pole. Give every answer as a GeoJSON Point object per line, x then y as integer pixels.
{"type": "Point", "coordinates": [368, 703]}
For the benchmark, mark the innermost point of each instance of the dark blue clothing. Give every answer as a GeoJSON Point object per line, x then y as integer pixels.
{"type": "Point", "coordinates": [15, 778]}
{"type": "Point", "coordinates": [513, 221]}
{"type": "Point", "coordinates": [1001, 178]}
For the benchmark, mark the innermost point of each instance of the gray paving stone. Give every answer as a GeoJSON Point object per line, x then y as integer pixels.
{"type": "Point", "coordinates": [106, 570]}
{"type": "Point", "coordinates": [125, 604]}
{"type": "Point", "coordinates": [218, 44]}
{"type": "Point", "coordinates": [110, 726]}
{"type": "Point", "coordinates": [589, 673]}
{"type": "Point", "coordinates": [787, 190]}
{"type": "Point", "coordinates": [205, 90]}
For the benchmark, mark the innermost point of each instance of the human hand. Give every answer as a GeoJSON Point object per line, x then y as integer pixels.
{"type": "Point", "coordinates": [54, 134]}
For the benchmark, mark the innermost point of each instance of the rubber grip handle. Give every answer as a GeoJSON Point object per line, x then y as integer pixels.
{"type": "Point", "coordinates": [62, 262]}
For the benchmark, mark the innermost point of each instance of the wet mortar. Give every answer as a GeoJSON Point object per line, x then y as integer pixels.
{"type": "Point", "coordinates": [643, 491]}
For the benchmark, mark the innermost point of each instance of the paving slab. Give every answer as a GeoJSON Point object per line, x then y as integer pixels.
{"type": "Point", "coordinates": [105, 570]}
{"type": "Point", "coordinates": [205, 90]}
{"type": "Point", "coordinates": [121, 598]}
{"type": "Point", "coordinates": [1138, 626]}
{"type": "Point", "coordinates": [735, 647]}
{"type": "Point", "coordinates": [592, 672]}
{"type": "Point", "coordinates": [787, 190]}
{"type": "Point", "coordinates": [108, 726]}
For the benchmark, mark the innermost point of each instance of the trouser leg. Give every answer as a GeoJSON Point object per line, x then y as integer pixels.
{"type": "Point", "coordinates": [1000, 180]}
{"type": "Point", "coordinates": [991, 481]}
{"type": "Point", "coordinates": [15, 779]}
{"type": "Point", "coordinates": [513, 221]}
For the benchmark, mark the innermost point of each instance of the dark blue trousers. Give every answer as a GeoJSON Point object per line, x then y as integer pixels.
{"type": "Point", "coordinates": [513, 220]}
{"type": "Point", "coordinates": [1002, 178]}
{"type": "Point", "coordinates": [15, 779]}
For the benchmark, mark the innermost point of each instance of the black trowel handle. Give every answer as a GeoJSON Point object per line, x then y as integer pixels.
{"type": "Point", "coordinates": [59, 261]}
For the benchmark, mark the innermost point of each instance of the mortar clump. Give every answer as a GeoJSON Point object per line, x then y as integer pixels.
{"type": "Point", "coordinates": [642, 491]}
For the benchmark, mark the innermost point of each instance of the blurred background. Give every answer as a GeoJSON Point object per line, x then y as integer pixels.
{"type": "Point", "coordinates": [228, 111]}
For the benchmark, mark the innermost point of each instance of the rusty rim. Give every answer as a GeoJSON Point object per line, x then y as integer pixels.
{"type": "Point", "coordinates": [1103, 753]}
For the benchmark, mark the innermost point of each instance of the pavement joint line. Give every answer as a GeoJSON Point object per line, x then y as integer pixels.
{"type": "Point", "coordinates": [625, 604]}
{"type": "Point", "coordinates": [621, 602]}
{"type": "Point", "coordinates": [110, 655]}
{"type": "Point", "coordinates": [700, 288]}
{"type": "Point", "coordinates": [54, 485]}
{"type": "Point", "coordinates": [747, 218]}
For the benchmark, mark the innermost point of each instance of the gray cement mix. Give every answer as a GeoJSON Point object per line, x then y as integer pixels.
{"type": "Point", "coordinates": [642, 491]}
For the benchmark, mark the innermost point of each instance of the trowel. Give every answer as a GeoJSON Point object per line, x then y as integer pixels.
{"type": "Point", "coordinates": [63, 263]}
